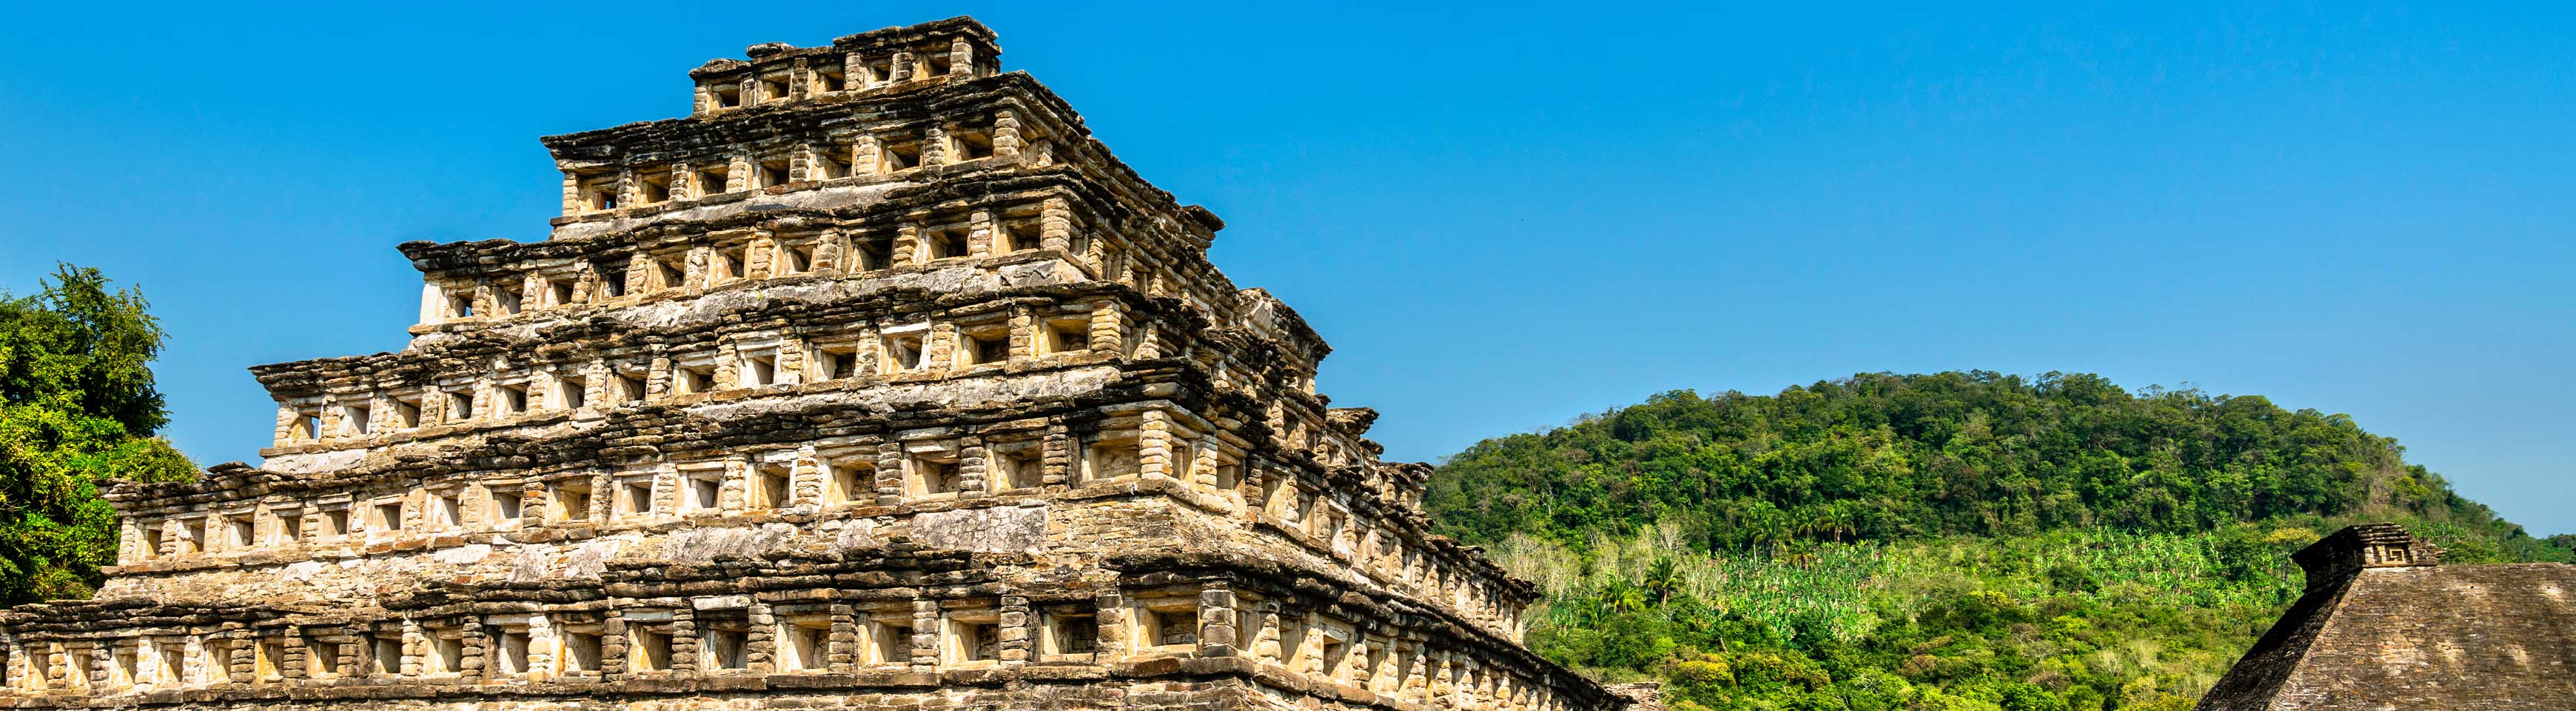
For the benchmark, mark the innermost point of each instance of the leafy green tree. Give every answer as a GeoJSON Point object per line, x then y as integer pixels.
{"type": "Point", "coordinates": [1663, 580]}
{"type": "Point", "coordinates": [1624, 597]}
{"type": "Point", "coordinates": [1945, 541]}
{"type": "Point", "coordinates": [1882, 457]}
{"type": "Point", "coordinates": [78, 410]}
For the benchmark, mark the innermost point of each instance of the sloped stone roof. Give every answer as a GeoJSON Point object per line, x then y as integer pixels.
{"type": "Point", "coordinates": [2382, 627]}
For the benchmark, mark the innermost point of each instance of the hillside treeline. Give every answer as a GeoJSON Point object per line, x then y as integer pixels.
{"type": "Point", "coordinates": [1885, 457]}
{"type": "Point", "coordinates": [1946, 541]}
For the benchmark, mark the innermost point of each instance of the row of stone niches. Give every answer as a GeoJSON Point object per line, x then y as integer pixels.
{"type": "Point", "coordinates": [803, 632]}
{"type": "Point", "coordinates": [835, 74]}
{"type": "Point", "coordinates": [919, 466]}
{"type": "Point", "coordinates": [835, 476]}
{"type": "Point", "coordinates": [731, 257]}
{"type": "Point", "coordinates": [1025, 334]}
{"type": "Point", "coordinates": [889, 152]}
{"type": "Point", "coordinates": [798, 632]}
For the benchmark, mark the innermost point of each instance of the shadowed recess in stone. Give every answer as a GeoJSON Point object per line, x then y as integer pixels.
{"type": "Point", "coordinates": [2383, 627]}
{"type": "Point", "coordinates": [874, 382]}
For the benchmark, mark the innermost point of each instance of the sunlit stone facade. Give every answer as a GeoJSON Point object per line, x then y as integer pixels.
{"type": "Point", "coordinates": [874, 382]}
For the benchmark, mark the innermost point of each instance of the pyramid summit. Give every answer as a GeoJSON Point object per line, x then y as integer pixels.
{"type": "Point", "coordinates": [875, 382]}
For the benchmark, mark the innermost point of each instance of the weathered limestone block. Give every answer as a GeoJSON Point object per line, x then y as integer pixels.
{"type": "Point", "coordinates": [875, 382]}
{"type": "Point", "coordinates": [1009, 529]}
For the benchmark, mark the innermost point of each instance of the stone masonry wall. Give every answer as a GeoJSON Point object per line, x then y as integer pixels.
{"type": "Point", "coordinates": [874, 382]}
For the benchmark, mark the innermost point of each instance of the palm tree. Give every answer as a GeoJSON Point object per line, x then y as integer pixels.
{"type": "Point", "coordinates": [1663, 579]}
{"type": "Point", "coordinates": [1590, 610]}
{"type": "Point", "coordinates": [1835, 519]}
{"type": "Point", "coordinates": [1623, 596]}
{"type": "Point", "coordinates": [1812, 521]}
{"type": "Point", "coordinates": [1770, 528]}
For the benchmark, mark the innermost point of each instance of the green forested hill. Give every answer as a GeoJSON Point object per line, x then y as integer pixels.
{"type": "Point", "coordinates": [1955, 540]}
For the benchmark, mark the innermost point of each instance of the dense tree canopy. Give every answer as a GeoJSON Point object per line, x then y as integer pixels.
{"type": "Point", "coordinates": [1880, 457]}
{"type": "Point", "coordinates": [77, 409]}
{"type": "Point", "coordinates": [1945, 541]}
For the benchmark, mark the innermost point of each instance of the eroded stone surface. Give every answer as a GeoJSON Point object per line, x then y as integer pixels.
{"type": "Point", "coordinates": [2382, 627]}
{"type": "Point", "coordinates": [875, 382]}
{"type": "Point", "coordinates": [999, 529]}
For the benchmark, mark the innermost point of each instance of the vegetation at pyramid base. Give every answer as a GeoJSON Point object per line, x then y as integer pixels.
{"type": "Point", "coordinates": [1944, 541]}
{"type": "Point", "coordinates": [77, 409]}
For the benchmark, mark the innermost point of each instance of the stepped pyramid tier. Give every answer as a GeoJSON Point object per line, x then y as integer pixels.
{"type": "Point", "coordinates": [2383, 625]}
{"type": "Point", "coordinates": [874, 382]}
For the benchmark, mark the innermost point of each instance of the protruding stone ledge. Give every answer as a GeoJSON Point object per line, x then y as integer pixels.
{"type": "Point", "coordinates": [2370, 545]}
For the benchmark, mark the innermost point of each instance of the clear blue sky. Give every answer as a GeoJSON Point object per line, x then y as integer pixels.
{"type": "Point", "coordinates": [1503, 216]}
